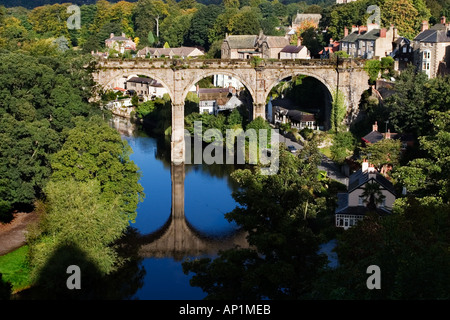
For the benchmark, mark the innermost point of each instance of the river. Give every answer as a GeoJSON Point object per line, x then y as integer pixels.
{"type": "Point", "coordinates": [182, 215]}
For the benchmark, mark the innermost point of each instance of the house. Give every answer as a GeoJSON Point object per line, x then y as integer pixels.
{"type": "Point", "coordinates": [120, 43]}
{"type": "Point", "coordinates": [248, 46]}
{"type": "Point", "coordinates": [215, 100]}
{"type": "Point", "coordinates": [301, 19]}
{"type": "Point", "coordinates": [270, 46]}
{"type": "Point", "coordinates": [145, 88]}
{"type": "Point", "coordinates": [298, 119]}
{"type": "Point", "coordinates": [180, 52]}
{"type": "Point", "coordinates": [375, 136]}
{"type": "Point", "coordinates": [402, 53]}
{"type": "Point", "coordinates": [368, 42]}
{"type": "Point", "coordinates": [291, 52]}
{"type": "Point", "coordinates": [328, 51]}
{"type": "Point", "coordinates": [368, 191]}
{"type": "Point", "coordinates": [344, 1]}
{"type": "Point", "coordinates": [431, 49]}
{"type": "Point", "coordinates": [240, 47]}
{"type": "Point", "coordinates": [226, 81]}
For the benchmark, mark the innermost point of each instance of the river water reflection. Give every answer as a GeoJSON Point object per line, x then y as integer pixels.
{"type": "Point", "coordinates": [182, 215]}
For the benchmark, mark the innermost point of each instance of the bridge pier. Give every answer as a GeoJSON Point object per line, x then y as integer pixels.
{"type": "Point", "coordinates": [177, 137]}
{"type": "Point", "coordinates": [259, 110]}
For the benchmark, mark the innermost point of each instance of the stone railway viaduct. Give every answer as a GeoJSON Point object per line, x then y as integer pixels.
{"type": "Point", "coordinates": [178, 76]}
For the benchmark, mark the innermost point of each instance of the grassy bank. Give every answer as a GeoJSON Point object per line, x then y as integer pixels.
{"type": "Point", "coordinates": [15, 270]}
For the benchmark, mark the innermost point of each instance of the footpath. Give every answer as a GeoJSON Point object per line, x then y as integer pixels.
{"type": "Point", "coordinates": [12, 235]}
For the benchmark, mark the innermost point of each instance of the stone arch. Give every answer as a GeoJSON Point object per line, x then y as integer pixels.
{"type": "Point", "coordinates": [208, 73]}
{"type": "Point", "coordinates": [293, 73]}
{"type": "Point", "coordinates": [121, 73]}
{"type": "Point", "coordinates": [330, 89]}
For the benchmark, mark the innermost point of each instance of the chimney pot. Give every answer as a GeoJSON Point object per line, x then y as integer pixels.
{"type": "Point", "coordinates": [365, 165]}
{"type": "Point", "coordinates": [443, 19]}
{"type": "Point", "coordinates": [424, 25]}
{"type": "Point", "coordinates": [375, 126]}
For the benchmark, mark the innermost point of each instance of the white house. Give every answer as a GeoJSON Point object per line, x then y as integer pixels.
{"type": "Point", "coordinates": [226, 81]}
{"type": "Point", "coordinates": [353, 205]}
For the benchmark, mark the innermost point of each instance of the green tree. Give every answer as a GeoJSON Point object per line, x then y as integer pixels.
{"type": "Point", "coordinates": [407, 106]}
{"type": "Point", "coordinates": [146, 16]}
{"type": "Point", "coordinates": [338, 110]}
{"type": "Point", "coordinates": [93, 150]}
{"type": "Point", "coordinates": [78, 218]}
{"type": "Point", "coordinates": [382, 154]}
{"type": "Point", "coordinates": [372, 67]}
{"type": "Point", "coordinates": [202, 22]}
{"type": "Point", "coordinates": [403, 15]}
{"type": "Point", "coordinates": [272, 210]}
{"type": "Point", "coordinates": [343, 146]}
{"type": "Point", "coordinates": [429, 176]}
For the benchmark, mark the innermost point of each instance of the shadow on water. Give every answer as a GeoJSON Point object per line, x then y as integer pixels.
{"type": "Point", "coordinates": [122, 284]}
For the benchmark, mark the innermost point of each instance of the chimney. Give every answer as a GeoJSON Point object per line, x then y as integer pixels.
{"type": "Point", "coordinates": [424, 25]}
{"type": "Point", "coordinates": [123, 34]}
{"type": "Point", "coordinates": [375, 127]}
{"type": "Point", "coordinates": [383, 33]}
{"type": "Point", "coordinates": [372, 26]}
{"type": "Point", "coordinates": [443, 19]}
{"type": "Point", "coordinates": [111, 35]}
{"type": "Point", "coordinates": [365, 165]}
{"type": "Point", "coordinates": [354, 28]}
{"type": "Point", "coordinates": [345, 31]}
{"type": "Point", "coordinates": [361, 29]}
{"type": "Point", "coordinates": [299, 42]}
{"type": "Point", "coordinates": [371, 168]}
{"type": "Point", "coordinates": [388, 134]}
{"type": "Point", "coordinates": [331, 40]}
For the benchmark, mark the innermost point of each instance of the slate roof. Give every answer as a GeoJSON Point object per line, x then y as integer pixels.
{"type": "Point", "coordinates": [352, 37]}
{"type": "Point", "coordinates": [300, 116]}
{"type": "Point", "coordinates": [276, 42]}
{"type": "Point", "coordinates": [373, 34]}
{"type": "Point", "coordinates": [241, 41]}
{"type": "Point", "coordinates": [433, 36]}
{"type": "Point", "coordinates": [300, 17]}
{"type": "Point", "coordinates": [292, 49]}
{"type": "Point", "coordinates": [359, 178]}
{"type": "Point", "coordinates": [149, 81]}
{"type": "Point", "coordinates": [373, 137]}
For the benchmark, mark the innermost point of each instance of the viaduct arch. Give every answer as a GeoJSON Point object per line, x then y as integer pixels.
{"type": "Point", "coordinates": [178, 76]}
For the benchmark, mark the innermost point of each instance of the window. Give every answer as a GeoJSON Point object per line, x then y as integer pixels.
{"type": "Point", "coordinates": [360, 201]}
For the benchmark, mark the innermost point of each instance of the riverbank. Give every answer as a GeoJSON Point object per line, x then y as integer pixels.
{"type": "Point", "coordinates": [13, 234]}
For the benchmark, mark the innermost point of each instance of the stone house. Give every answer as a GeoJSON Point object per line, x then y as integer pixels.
{"type": "Point", "coordinates": [431, 49]}
{"type": "Point", "coordinates": [240, 47]}
{"type": "Point", "coordinates": [271, 46]}
{"type": "Point", "coordinates": [352, 206]}
{"type": "Point", "coordinates": [120, 43]}
{"type": "Point", "coordinates": [248, 46]}
{"type": "Point", "coordinates": [145, 88]}
{"type": "Point", "coordinates": [298, 119]}
{"type": "Point", "coordinates": [302, 18]}
{"type": "Point", "coordinates": [368, 42]}
{"type": "Point", "coordinates": [181, 52]}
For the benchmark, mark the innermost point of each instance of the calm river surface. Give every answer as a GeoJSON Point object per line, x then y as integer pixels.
{"type": "Point", "coordinates": [182, 213]}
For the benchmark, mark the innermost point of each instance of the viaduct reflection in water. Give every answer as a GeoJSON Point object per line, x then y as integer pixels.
{"type": "Point", "coordinates": [177, 238]}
